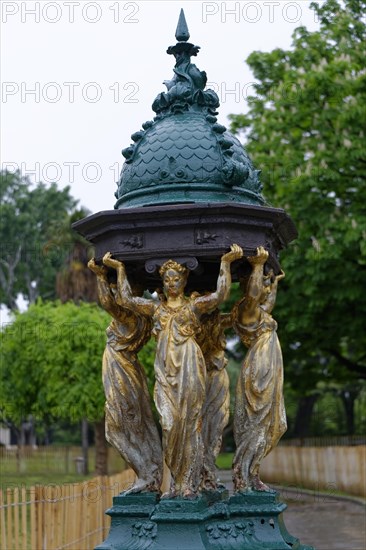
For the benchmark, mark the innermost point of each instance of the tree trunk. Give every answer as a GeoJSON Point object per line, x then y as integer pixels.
{"type": "Point", "coordinates": [101, 448]}
{"type": "Point", "coordinates": [85, 445]}
{"type": "Point", "coordinates": [348, 400]}
{"type": "Point", "coordinates": [303, 415]}
{"type": "Point", "coordinates": [7, 282]}
{"type": "Point", "coordinates": [21, 440]}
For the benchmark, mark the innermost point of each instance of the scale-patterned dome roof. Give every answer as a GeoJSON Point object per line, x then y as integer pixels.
{"type": "Point", "coordinates": [184, 155]}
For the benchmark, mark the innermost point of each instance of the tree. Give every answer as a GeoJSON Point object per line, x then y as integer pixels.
{"type": "Point", "coordinates": [74, 280]}
{"type": "Point", "coordinates": [305, 128]}
{"type": "Point", "coordinates": [51, 361]}
{"type": "Point", "coordinates": [30, 217]}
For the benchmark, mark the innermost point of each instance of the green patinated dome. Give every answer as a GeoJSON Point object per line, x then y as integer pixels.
{"type": "Point", "coordinates": [184, 155]}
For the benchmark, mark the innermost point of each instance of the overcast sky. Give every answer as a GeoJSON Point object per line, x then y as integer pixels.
{"type": "Point", "coordinates": [78, 78]}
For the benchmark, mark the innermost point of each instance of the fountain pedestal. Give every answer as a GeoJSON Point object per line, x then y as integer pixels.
{"type": "Point", "coordinates": [214, 521]}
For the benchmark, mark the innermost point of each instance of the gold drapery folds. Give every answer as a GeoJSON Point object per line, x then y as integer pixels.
{"type": "Point", "coordinates": [191, 391]}
{"type": "Point", "coordinates": [180, 368]}
{"type": "Point", "coordinates": [129, 422]}
{"type": "Point", "coordinates": [259, 416]}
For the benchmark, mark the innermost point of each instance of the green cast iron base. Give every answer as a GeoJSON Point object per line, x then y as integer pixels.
{"type": "Point", "coordinates": [215, 521]}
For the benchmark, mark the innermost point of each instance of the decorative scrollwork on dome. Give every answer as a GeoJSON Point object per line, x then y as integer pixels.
{"type": "Point", "coordinates": [185, 91]}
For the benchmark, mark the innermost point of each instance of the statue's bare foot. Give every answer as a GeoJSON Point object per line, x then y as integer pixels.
{"type": "Point", "coordinates": [209, 485]}
{"type": "Point", "coordinates": [239, 485]}
{"type": "Point", "coordinates": [258, 485]}
{"type": "Point", "coordinates": [190, 494]}
{"type": "Point", "coordinates": [241, 488]}
{"type": "Point", "coordinates": [240, 482]}
{"type": "Point", "coordinates": [169, 494]}
{"type": "Point", "coordinates": [209, 480]}
{"type": "Point", "coordinates": [142, 485]}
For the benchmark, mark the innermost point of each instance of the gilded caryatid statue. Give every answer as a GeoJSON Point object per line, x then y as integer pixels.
{"type": "Point", "coordinates": [215, 411]}
{"type": "Point", "coordinates": [259, 417]}
{"type": "Point", "coordinates": [180, 368]}
{"type": "Point", "coordinates": [129, 422]}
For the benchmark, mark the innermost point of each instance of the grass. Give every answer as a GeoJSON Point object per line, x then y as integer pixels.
{"type": "Point", "coordinates": [37, 477]}
{"type": "Point", "coordinates": [52, 466]}
{"type": "Point", "coordinates": [29, 480]}
{"type": "Point", "coordinates": [224, 461]}
{"type": "Point", "coordinates": [49, 465]}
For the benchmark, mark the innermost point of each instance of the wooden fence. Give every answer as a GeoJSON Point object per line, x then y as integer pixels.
{"type": "Point", "coordinates": [324, 441]}
{"type": "Point", "coordinates": [329, 469]}
{"type": "Point", "coordinates": [49, 517]}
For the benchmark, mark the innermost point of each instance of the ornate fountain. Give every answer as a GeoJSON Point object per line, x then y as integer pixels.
{"type": "Point", "coordinates": [189, 219]}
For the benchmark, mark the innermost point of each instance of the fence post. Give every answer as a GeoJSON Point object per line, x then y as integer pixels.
{"type": "Point", "coordinates": [2, 519]}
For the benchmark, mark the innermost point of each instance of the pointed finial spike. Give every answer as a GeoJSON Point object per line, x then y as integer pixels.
{"type": "Point", "coordinates": [182, 32]}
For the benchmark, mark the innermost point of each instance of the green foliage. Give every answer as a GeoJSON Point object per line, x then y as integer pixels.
{"type": "Point", "coordinates": [60, 432]}
{"type": "Point", "coordinates": [360, 412]}
{"type": "Point", "coordinates": [328, 417]}
{"type": "Point", "coordinates": [30, 220]}
{"type": "Point", "coordinates": [51, 362]}
{"type": "Point", "coordinates": [147, 357]}
{"type": "Point", "coordinates": [305, 129]}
